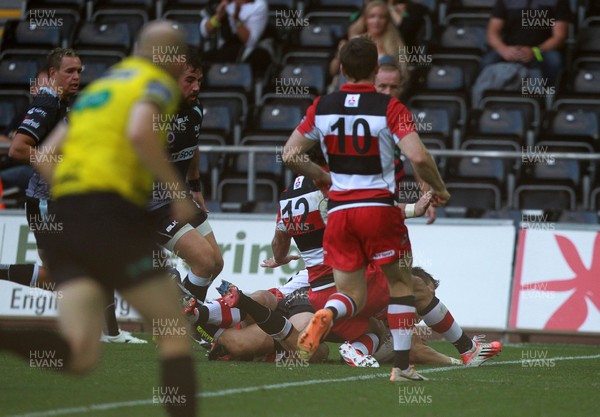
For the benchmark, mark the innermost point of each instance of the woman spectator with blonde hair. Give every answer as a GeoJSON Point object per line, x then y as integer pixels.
{"type": "Point", "coordinates": [376, 23]}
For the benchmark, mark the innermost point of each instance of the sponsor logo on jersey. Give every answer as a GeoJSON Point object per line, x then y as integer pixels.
{"type": "Point", "coordinates": [31, 123]}
{"type": "Point", "coordinates": [183, 154]}
{"type": "Point", "coordinates": [298, 182]}
{"type": "Point", "coordinates": [37, 110]}
{"type": "Point", "coordinates": [382, 255]}
{"type": "Point", "coordinates": [172, 225]}
{"type": "Point", "coordinates": [351, 100]}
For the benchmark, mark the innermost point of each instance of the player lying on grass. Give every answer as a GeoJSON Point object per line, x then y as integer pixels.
{"type": "Point", "coordinates": [434, 313]}
{"type": "Point", "coordinates": [246, 327]}
{"type": "Point", "coordinates": [302, 219]}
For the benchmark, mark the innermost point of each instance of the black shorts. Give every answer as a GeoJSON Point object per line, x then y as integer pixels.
{"type": "Point", "coordinates": [106, 238]}
{"type": "Point", "coordinates": [166, 227]}
{"type": "Point", "coordinates": [295, 303]}
{"type": "Point", "coordinates": [43, 221]}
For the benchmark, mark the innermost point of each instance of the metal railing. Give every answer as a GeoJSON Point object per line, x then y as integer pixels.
{"type": "Point", "coordinates": [252, 151]}
{"type": "Point", "coordinates": [447, 153]}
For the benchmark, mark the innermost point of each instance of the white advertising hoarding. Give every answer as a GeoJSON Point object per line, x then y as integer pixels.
{"type": "Point", "coordinates": [473, 260]}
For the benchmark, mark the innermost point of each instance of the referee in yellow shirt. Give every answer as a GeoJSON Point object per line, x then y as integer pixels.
{"type": "Point", "coordinates": [106, 162]}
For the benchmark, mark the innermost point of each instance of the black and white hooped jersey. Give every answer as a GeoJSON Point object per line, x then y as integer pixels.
{"type": "Point", "coordinates": [183, 140]}
{"type": "Point", "coordinates": [299, 216]}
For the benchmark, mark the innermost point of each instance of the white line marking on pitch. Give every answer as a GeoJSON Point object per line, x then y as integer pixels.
{"type": "Point", "coordinates": [232, 391]}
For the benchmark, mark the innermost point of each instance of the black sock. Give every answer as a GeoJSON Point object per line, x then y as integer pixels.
{"type": "Point", "coordinates": [178, 391]}
{"type": "Point", "coordinates": [110, 315]}
{"type": "Point", "coordinates": [42, 348]}
{"type": "Point", "coordinates": [202, 316]}
{"type": "Point", "coordinates": [463, 344]}
{"type": "Point", "coordinates": [196, 290]}
{"type": "Point", "coordinates": [21, 273]}
{"type": "Point", "coordinates": [270, 322]}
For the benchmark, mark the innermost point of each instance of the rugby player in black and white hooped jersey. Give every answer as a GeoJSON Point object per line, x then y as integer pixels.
{"type": "Point", "coordinates": [51, 106]}
{"type": "Point", "coordinates": [194, 242]}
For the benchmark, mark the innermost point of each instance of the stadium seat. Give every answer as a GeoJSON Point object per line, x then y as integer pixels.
{"type": "Point", "coordinates": [210, 163]}
{"type": "Point", "coordinates": [12, 104]}
{"type": "Point", "coordinates": [73, 4]}
{"type": "Point", "coordinates": [230, 76]}
{"type": "Point", "coordinates": [31, 35]}
{"type": "Point", "coordinates": [280, 114]}
{"type": "Point", "coordinates": [454, 106]}
{"type": "Point", "coordinates": [237, 195]}
{"type": "Point", "coordinates": [529, 109]}
{"type": "Point", "coordinates": [217, 119]}
{"type": "Point", "coordinates": [134, 19]}
{"type": "Point", "coordinates": [587, 81]}
{"type": "Point", "coordinates": [329, 5]}
{"type": "Point", "coordinates": [478, 4]}
{"type": "Point", "coordinates": [595, 199]}
{"type": "Point", "coordinates": [297, 76]}
{"type": "Point", "coordinates": [445, 78]}
{"type": "Point", "coordinates": [237, 105]}
{"type": "Point", "coordinates": [464, 37]}
{"type": "Point", "coordinates": [579, 217]}
{"type": "Point", "coordinates": [337, 22]}
{"type": "Point", "coordinates": [469, 63]}
{"type": "Point", "coordinates": [113, 36]}
{"type": "Point", "coordinates": [581, 124]}
{"type": "Point", "coordinates": [545, 197]}
{"type": "Point", "coordinates": [474, 197]}
{"type": "Point", "coordinates": [321, 59]}
{"type": "Point", "coordinates": [433, 123]}
{"type": "Point", "coordinates": [577, 103]}
{"type": "Point", "coordinates": [139, 4]}
{"type": "Point", "coordinates": [502, 122]}
{"type": "Point", "coordinates": [17, 71]}
{"type": "Point", "coordinates": [317, 36]}
{"type": "Point", "coordinates": [266, 164]}
{"type": "Point", "coordinates": [96, 63]}
{"type": "Point", "coordinates": [189, 21]}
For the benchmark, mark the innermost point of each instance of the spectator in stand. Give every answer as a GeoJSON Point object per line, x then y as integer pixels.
{"type": "Point", "coordinates": [242, 24]}
{"type": "Point", "coordinates": [405, 15]}
{"type": "Point", "coordinates": [377, 24]}
{"type": "Point", "coordinates": [531, 36]}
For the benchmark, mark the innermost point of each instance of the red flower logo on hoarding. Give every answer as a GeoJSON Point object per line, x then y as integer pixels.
{"type": "Point", "coordinates": [586, 283]}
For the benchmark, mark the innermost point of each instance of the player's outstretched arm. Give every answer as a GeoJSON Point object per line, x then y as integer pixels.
{"type": "Point", "coordinates": [280, 245]}
{"type": "Point", "coordinates": [424, 167]}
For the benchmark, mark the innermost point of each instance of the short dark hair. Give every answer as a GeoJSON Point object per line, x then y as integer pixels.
{"type": "Point", "coordinates": [425, 276]}
{"type": "Point", "coordinates": [57, 54]}
{"type": "Point", "coordinates": [193, 59]}
{"type": "Point", "coordinates": [359, 58]}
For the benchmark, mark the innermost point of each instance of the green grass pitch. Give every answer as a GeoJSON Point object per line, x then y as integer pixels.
{"type": "Point", "coordinates": [564, 380]}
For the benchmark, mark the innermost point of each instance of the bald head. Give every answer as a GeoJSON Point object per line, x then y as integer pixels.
{"type": "Point", "coordinates": [162, 43]}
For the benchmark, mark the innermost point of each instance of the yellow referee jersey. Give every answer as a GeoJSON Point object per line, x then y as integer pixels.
{"type": "Point", "coordinates": [97, 156]}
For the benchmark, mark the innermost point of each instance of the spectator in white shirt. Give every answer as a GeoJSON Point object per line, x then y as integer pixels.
{"type": "Point", "coordinates": [243, 23]}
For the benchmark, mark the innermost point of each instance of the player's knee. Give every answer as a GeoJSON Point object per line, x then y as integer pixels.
{"type": "Point", "coordinates": [265, 298]}
{"type": "Point", "coordinates": [218, 264]}
{"type": "Point", "coordinates": [422, 294]}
